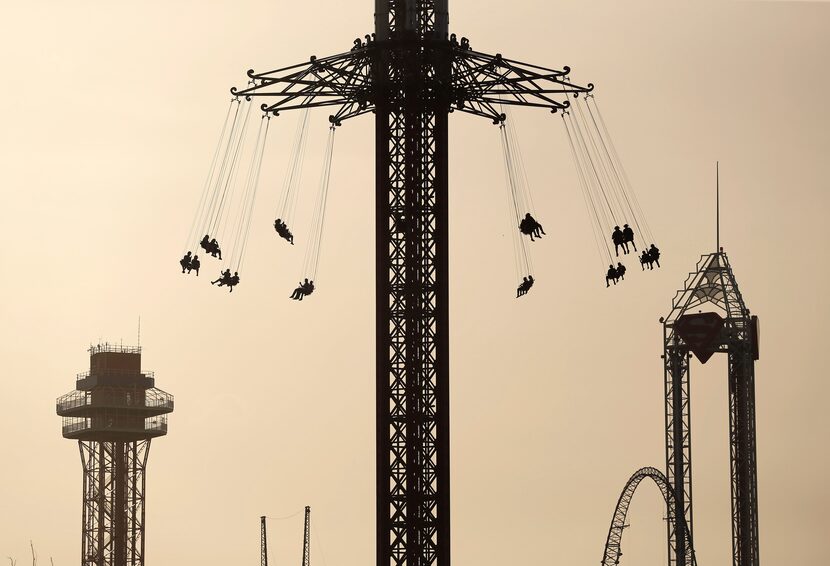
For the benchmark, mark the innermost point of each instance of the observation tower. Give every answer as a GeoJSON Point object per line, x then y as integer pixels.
{"type": "Point", "coordinates": [113, 413]}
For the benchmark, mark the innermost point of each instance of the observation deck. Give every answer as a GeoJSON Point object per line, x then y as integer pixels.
{"type": "Point", "coordinates": [114, 400]}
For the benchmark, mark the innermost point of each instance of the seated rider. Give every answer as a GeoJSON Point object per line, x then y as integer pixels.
{"type": "Point", "coordinates": [232, 281]}
{"type": "Point", "coordinates": [524, 287]}
{"type": "Point", "coordinates": [628, 236]}
{"type": "Point", "coordinates": [282, 229]}
{"type": "Point", "coordinates": [214, 248]}
{"type": "Point", "coordinates": [619, 240]}
{"type": "Point", "coordinates": [185, 261]}
{"type": "Point", "coordinates": [621, 271]}
{"type": "Point", "coordinates": [308, 287]}
{"type": "Point", "coordinates": [195, 264]}
{"type": "Point", "coordinates": [611, 275]}
{"type": "Point", "coordinates": [654, 254]}
{"type": "Point", "coordinates": [530, 227]}
{"type": "Point", "coordinates": [224, 278]}
{"type": "Point", "coordinates": [300, 291]}
{"type": "Point", "coordinates": [205, 243]}
{"type": "Point", "coordinates": [645, 259]}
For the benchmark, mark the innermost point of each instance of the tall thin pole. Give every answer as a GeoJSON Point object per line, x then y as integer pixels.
{"type": "Point", "coordinates": [263, 543]}
{"type": "Point", "coordinates": [307, 537]}
{"type": "Point", "coordinates": [717, 206]}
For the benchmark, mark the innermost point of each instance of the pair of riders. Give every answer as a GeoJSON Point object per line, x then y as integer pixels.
{"type": "Point", "coordinates": [304, 288]}
{"type": "Point", "coordinates": [525, 286]}
{"type": "Point", "coordinates": [227, 279]}
{"type": "Point", "coordinates": [530, 227]}
{"type": "Point", "coordinates": [649, 257]}
{"type": "Point", "coordinates": [622, 238]}
{"type": "Point", "coordinates": [283, 231]}
{"type": "Point", "coordinates": [211, 246]}
{"type": "Point", "coordinates": [614, 274]}
{"type": "Point", "coordinates": [190, 263]}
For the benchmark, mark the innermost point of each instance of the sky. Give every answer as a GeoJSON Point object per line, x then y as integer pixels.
{"type": "Point", "coordinates": [112, 112]}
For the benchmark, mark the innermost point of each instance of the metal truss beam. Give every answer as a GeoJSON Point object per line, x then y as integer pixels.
{"type": "Point", "coordinates": [113, 502]}
{"type": "Point", "coordinates": [412, 316]}
{"type": "Point", "coordinates": [742, 455]}
{"type": "Point", "coordinates": [678, 452]}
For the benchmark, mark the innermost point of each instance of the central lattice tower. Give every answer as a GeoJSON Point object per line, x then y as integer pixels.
{"type": "Point", "coordinates": [412, 73]}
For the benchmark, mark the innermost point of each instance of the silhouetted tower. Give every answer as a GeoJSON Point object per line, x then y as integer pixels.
{"type": "Point", "coordinates": [307, 537]}
{"type": "Point", "coordinates": [113, 413]}
{"type": "Point", "coordinates": [728, 329]}
{"type": "Point", "coordinates": [411, 74]}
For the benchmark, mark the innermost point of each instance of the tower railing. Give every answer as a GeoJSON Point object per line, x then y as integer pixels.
{"type": "Point", "coordinates": [108, 422]}
{"type": "Point", "coordinates": [116, 397]}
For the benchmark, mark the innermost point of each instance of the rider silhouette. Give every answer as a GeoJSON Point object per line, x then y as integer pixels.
{"type": "Point", "coordinates": [531, 227]}
{"type": "Point", "coordinates": [654, 254]}
{"type": "Point", "coordinates": [185, 261]}
{"type": "Point", "coordinates": [224, 278]}
{"type": "Point", "coordinates": [619, 240]}
{"type": "Point", "coordinates": [524, 287]}
{"type": "Point", "coordinates": [304, 288]}
{"type": "Point", "coordinates": [628, 236]}
{"type": "Point", "coordinates": [611, 275]}
{"type": "Point", "coordinates": [195, 264]}
{"type": "Point", "coordinates": [645, 259]}
{"type": "Point", "coordinates": [620, 271]}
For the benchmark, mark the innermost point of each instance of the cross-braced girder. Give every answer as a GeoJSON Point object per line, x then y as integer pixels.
{"type": "Point", "coordinates": [412, 321]}
{"type": "Point", "coordinates": [678, 452]}
{"type": "Point", "coordinates": [113, 502]}
{"type": "Point", "coordinates": [713, 284]}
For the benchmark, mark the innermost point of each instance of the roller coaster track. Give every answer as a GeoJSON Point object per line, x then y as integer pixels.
{"type": "Point", "coordinates": [613, 551]}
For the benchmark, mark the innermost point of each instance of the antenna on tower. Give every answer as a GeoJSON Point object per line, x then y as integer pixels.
{"type": "Point", "coordinates": [717, 206]}
{"type": "Point", "coordinates": [139, 331]}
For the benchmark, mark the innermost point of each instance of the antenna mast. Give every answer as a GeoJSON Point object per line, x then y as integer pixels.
{"type": "Point", "coordinates": [717, 206]}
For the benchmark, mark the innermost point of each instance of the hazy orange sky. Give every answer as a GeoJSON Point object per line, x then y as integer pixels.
{"type": "Point", "coordinates": [111, 113]}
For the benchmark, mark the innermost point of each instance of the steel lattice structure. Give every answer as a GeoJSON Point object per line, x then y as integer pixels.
{"type": "Point", "coordinates": [113, 499]}
{"type": "Point", "coordinates": [114, 412]}
{"type": "Point", "coordinates": [613, 549]}
{"type": "Point", "coordinates": [411, 73]}
{"type": "Point", "coordinates": [712, 284]}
